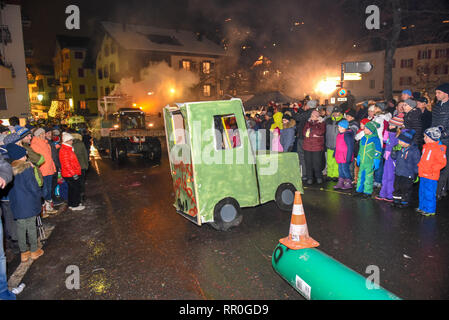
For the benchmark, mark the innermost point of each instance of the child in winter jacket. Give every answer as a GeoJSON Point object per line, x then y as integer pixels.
{"type": "Point", "coordinates": [390, 141]}
{"type": "Point", "coordinates": [358, 136]}
{"type": "Point", "coordinates": [331, 139]}
{"type": "Point", "coordinates": [368, 159]}
{"type": "Point", "coordinates": [344, 154]}
{"type": "Point", "coordinates": [432, 161]}
{"type": "Point", "coordinates": [406, 172]}
{"type": "Point", "coordinates": [25, 199]}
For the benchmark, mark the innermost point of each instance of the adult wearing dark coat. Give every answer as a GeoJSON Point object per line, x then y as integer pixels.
{"type": "Point", "coordinates": [314, 131]}
{"type": "Point", "coordinates": [440, 117]}
{"type": "Point", "coordinates": [412, 121]}
{"type": "Point", "coordinates": [301, 118]}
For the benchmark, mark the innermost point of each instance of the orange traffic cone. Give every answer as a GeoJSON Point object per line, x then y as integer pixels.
{"type": "Point", "coordinates": [298, 237]}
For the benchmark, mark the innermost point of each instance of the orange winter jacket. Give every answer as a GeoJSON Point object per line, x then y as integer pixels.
{"type": "Point", "coordinates": [433, 159]}
{"type": "Point", "coordinates": [42, 146]}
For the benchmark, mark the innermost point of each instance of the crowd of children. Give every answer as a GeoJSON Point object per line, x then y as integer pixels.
{"type": "Point", "coordinates": [385, 145]}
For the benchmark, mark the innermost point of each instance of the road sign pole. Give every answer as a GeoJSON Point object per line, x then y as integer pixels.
{"type": "Point", "coordinates": [342, 77]}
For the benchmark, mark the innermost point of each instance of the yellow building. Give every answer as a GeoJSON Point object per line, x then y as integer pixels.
{"type": "Point", "coordinates": [41, 88]}
{"type": "Point", "coordinates": [75, 74]}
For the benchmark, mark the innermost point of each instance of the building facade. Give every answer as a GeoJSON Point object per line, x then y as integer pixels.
{"type": "Point", "coordinates": [14, 99]}
{"type": "Point", "coordinates": [42, 89]}
{"type": "Point", "coordinates": [418, 68]}
{"type": "Point", "coordinates": [127, 49]}
{"type": "Point", "coordinates": [75, 74]}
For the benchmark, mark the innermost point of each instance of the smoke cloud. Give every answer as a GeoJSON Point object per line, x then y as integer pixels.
{"type": "Point", "coordinates": [160, 85]}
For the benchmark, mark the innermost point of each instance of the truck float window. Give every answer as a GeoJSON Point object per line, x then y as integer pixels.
{"type": "Point", "coordinates": [226, 132]}
{"type": "Point", "coordinates": [178, 128]}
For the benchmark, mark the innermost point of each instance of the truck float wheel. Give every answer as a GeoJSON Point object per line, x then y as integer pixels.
{"type": "Point", "coordinates": [285, 196]}
{"type": "Point", "coordinates": [227, 214]}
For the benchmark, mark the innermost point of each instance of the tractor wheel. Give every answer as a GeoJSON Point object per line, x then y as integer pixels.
{"type": "Point", "coordinates": [227, 214]}
{"type": "Point", "coordinates": [285, 196]}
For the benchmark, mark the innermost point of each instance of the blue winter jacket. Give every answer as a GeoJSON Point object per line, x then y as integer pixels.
{"type": "Point", "coordinates": [25, 194]}
{"type": "Point", "coordinates": [407, 161]}
{"type": "Point", "coordinates": [288, 135]}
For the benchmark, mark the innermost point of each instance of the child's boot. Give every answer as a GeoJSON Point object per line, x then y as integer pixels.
{"type": "Point", "coordinates": [347, 184]}
{"type": "Point", "coordinates": [340, 184]}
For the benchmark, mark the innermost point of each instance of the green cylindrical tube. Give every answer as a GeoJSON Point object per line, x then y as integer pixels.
{"type": "Point", "coordinates": [318, 276]}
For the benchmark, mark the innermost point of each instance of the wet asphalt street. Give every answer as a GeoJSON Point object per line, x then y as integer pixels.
{"type": "Point", "coordinates": [131, 244]}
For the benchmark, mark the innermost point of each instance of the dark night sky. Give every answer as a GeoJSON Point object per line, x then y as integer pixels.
{"type": "Point", "coordinates": [257, 23]}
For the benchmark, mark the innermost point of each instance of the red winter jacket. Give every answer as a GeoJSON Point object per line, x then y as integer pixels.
{"type": "Point", "coordinates": [314, 132]}
{"type": "Point", "coordinates": [69, 162]}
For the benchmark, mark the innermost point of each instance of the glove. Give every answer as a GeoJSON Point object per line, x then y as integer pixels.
{"type": "Point", "coordinates": [416, 180]}
{"type": "Point", "coordinates": [358, 160]}
{"type": "Point", "coordinates": [387, 155]}
{"type": "Point", "coordinates": [76, 177]}
{"type": "Point", "coordinates": [376, 164]}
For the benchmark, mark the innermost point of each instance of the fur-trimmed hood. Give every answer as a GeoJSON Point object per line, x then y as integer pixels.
{"type": "Point", "coordinates": [77, 136]}
{"type": "Point", "coordinates": [290, 124]}
{"type": "Point", "coordinates": [19, 166]}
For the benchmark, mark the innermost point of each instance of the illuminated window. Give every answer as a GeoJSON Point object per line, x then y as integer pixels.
{"type": "Point", "coordinates": [82, 104]}
{"type": "Point", "coordinates": [206, 90]}
{"type": "Point", "coordinates": [227, 135]}
{"type": "Point", "coordinates": [206, 67]}
{"type": "Point", "coordinates": [186, 65]}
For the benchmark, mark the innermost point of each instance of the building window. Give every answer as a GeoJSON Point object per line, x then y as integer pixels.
{"type": "Point", "coordinates": [394, 63]}
{"type": "Point", "coordinates": [3, 105]}
{"type": "Point", "coordinates": [185, 64]}
{"type": "Point", "coordinates": [106, 50]}
{"type": "Point", "coordinates": [441, 69]}
{"type": "Point", "coordinates": [227, 134]}
{"type": "Point", "coordinates": [205, 67]}
{"type": "Point", "coordinates": [372, 84]}
{"type": "Point", "coordinates": [100, 74]}
{"type": "Point", "coordinates": [206, 90]}
{"type": "Point", "coordinates": [66, 56]}
{"type": "Point", "coordinates": [81, 72]}
{"type": "Point", "coordinates": [407, 63]}
{"type": "Point", "coordinates": [101, 91]}
{"type": "Point", "coordinates": [441, 53]}
{"type": "Point", "coordinates": [112, 68]}
{"type": "Point", "coordinates": [424, 54]}
{"type": "Point", "coordinates": [105, 71]}
{"type": "Point", "coordinates": [107, 91]}
{"type": "Point", "coordinates": [405, 81]}
{"type": "Point", "coordinates": [83, 104]}
{"type": "Point", "coordinates": [94, 89]}
{"type": "Point", "coordinates": [113, 48]}
{"type": "Point", "coordinates": [79, 55]}
{"type": "Point", "coordinates": [82, 89]}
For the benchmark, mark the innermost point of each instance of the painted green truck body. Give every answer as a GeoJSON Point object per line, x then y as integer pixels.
{"type": "Point", "coordinates": [214, 168]}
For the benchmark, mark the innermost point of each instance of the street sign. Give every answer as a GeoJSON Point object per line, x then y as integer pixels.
{"type": "Point", "coordinates": [357, 67]}
{"type": "Point", "coordinates": [342, 99]}
{"type": "Point", "coordinates": [332, 100]}
{"type": "Point", "coordinates": [342, 92]}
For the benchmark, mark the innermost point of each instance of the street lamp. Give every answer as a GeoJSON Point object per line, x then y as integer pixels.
{"type": "Point", "coordinates": [40, 97]}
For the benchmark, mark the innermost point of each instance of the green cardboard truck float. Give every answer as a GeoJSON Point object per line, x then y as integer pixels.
{"type": "Point", "coordinates": [215, 169]}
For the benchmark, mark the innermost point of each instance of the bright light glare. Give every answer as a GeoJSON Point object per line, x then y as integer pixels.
{"type": "Point", "coordinates": [40, 97]}
{"type": "Point", "coordinates": [172, 90]}
{"type": "Point", "coordinates": [327, 86]}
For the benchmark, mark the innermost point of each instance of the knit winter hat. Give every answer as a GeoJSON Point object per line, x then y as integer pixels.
{"type": "Point", "coordinates": [397, 121]}
{"type": "Point", "coordinates": [66, 137]}
{"type": "Point", "coordinates": [11, 138]}
{"type": "Point", "coordinates": [372, 126]}
{"type": "Point", "coordinates": [21, 131]}
{"type": "Point", "coordinates": [411, 103]}
{"type": "Point", "coordinates": [407, 92]}
{"type": "Point", "coordinates": [443, 87]}
{"type": "Point", "coordinates": [407, 136]}
{"type": "Point", "coordinates": [312, 104]}
{"type": "Point", "coordinates": [350, 112]}
{"type": "Point", "coordinates": [15, 152]}
{"type": "Point", "coordinates": [344, 124]}
{"type": "Point", "coordinates": [39, 131]}
{"type": "Point", "coordinates": [433, 133]}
